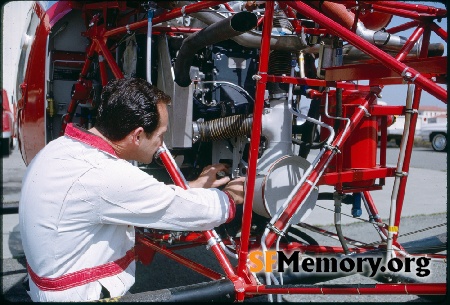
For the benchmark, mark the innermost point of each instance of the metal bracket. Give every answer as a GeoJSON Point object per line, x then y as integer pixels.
{"type": "Point", "coordinates": [411, 110]}
{"type": "Point", "coordinates": [408, 76]}
{"type": "Point", "coordinates": [211, 242]}
{"type": "Point", "coordinates": [333, 148]}
{"type": "Point", "coordinates": [275, 229]}
{"type": "Point", "coordinates": [401, 174]}
{"type": "Point", "coordinates": [365, 110]}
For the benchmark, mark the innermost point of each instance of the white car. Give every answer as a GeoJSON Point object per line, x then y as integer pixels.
{"type": "Point", "coordinates": [436, 133]}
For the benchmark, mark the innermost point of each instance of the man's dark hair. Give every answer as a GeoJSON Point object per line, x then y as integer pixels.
{"type": "Point", "coordinates": [127, 104]}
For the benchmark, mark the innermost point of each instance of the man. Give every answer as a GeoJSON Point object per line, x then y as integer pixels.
{"type": "Point", "coordinates": [81, 198]}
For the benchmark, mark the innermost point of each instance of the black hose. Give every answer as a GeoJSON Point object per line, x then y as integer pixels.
{"type": "Point", "coordinates": [217, 32]}
{"type": "Point", "coordinates": [214, 291]}
{"type": "Point", "coordinates": [224, 128]}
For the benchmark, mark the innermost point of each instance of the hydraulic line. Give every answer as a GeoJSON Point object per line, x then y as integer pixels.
{"type": "Point", "coordinates": [392, 229]}
{"type": "Point", "coordinates": [337, 221]}
{"type": "Point", "coordinates": [223, 128]}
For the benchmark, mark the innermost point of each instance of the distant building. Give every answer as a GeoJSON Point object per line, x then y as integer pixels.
{"type": "Point", "coordinates": [432, 111]}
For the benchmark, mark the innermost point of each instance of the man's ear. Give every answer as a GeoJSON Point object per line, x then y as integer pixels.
{"type": "Point", "coordinates": [137, 135]}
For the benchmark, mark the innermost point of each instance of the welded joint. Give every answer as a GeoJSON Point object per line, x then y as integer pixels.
{"type": "Point", "coordinates": [367, 113]}
{"type": "Point", "coordinates": [401, 174]}
{"type": "Point", "coordinates": [275, 229]}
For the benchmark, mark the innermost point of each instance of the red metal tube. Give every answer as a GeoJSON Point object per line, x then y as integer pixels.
{"type": "Point", "coordinates": [400, 12]}
{"type": "Point", "coordinates": [315, 173]}
{"type": "Point", "coordinates": [387, 60]}
{"type": "Point", "coordinates": [103, 73]}
{"type": "Point", "coordinates": [173, 173]}
{"type": "Point", "coordinates": [410, 143]}
{"type": "Point", "coordinates": [174, 29]}
{"type": "Point", "coordinates": [109, 58]}
{"type": "Point", "coordinates": [209, 273]}
{"type": "Point", "coordinates": [175, 13]}
{"type": "Point", "coordinates": [255, 140]}
{"type": "Point", "coordinates": [439, 31]}
{"type": "Point", "coordinates": [209, 236]}
{"type": "Point", "coordinates": [415, 289]}
{"type": "Point", "coordinates": [410, 43]}
{"type": "Point", "coordinates": [403, 27]}
{"type": "Point", "coordinates": [74, 103]}
{"type": "Point", "coordinates": [221, 257]}
{"type": "Point", "coordinates": [412, 7]}
{"type": "Point", "coordinates": [407, 160]}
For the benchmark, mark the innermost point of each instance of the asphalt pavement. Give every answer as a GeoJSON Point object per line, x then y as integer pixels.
{"type": "Point", "coordinates": [425, 206]}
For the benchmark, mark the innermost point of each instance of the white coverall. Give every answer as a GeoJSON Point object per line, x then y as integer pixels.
{"type": "Point", "coordinates": [78, 208]}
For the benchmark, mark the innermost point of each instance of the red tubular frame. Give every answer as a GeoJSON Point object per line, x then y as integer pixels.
{"type": "Point", "coordinates": [418, 289]}
{"type": "Point", "coordinates": [370, 49]}
{"type": "Point", "coordinates": [243, 282]}
{"type": "Point", "coordinates": [255, 136]}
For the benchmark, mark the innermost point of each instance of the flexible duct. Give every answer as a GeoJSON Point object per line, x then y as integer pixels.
{"type": "Point", "coordinates": [223, 128]}
{"type": "Point", "coordinates": [219, 31]}
{"type": "Point", "coordinates": [251, 39]}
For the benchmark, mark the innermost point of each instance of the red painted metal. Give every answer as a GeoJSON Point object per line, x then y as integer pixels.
{"type": "Point", "coordinates": [439, 31]}
{"type": "Point", "coordinates": [356, 175]}
{"type": "Point", "coordinates": [255, 136]}
{"type": "Point", "coordinates": [173, 29]}
{"type": "Point", "coordinates": [403, 27]}
{"type": "Point", "coordinates": [109, 58]}
{"type": "Point", "coordinates": [401, 12]}
{"type": "Point", "coordinates": [356, 167]}
{"type": "Point", "coordinates": [176, 176]}
{"type": "Point", "coordinates": [370, 49]}
{"type": "Point", "coordinates": [73, 102]}
{"type": "Point", "coordinates": [180, 259]}
{"type": "Point", "coordinates": [103, 72]}
{"type": "Point", "coordinates": [438, 12]}
{"type": "Point", "coordinates": [175, 13]}
{"type": "Point", "coordinates": [30, 105]}
{"type": "Point", "coordinates": [410, 43]}
{"type": "Point", "coordinates": [410, 141]}
{"type": "Point", "coordinates": [416, 289]}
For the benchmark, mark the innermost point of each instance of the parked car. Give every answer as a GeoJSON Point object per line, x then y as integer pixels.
{"type": "Point", "coordinates": [436, 133]}
{"type": "Point", "coordinates": [8, 126]}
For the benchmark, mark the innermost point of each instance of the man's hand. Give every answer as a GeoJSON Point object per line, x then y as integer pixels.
{"type": "Point", "coordinates": [236, 189]}
{"type": "Point", "coordinates": [210, 178]}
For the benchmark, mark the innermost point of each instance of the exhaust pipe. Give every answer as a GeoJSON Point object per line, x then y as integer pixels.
{"type": "Point", "coordinates": [220, 31]}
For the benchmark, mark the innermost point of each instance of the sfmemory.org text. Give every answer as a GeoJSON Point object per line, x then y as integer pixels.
{"type": "Point", "coordinates": [280, 261]}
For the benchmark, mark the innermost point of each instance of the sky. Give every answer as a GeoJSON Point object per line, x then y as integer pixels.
{"type": "Point", "coordinates": [14, 22]}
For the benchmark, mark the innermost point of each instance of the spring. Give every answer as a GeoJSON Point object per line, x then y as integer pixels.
{"type": "Point", "coordinates": [225, 128]}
